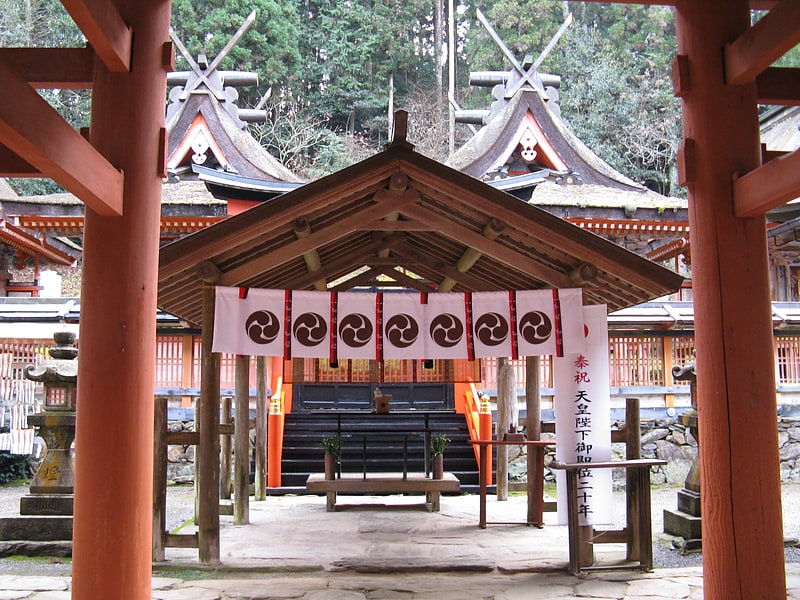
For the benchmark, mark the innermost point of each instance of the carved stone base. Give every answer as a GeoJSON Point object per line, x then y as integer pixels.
{"type": "Point", "coordinates": [682, 524]}
{"type": "Point", "coordinates": [689, 502]}
{"type": "Point", "coordinates": [46, 504]}
{"type": "Point", "coordinates": [36, 529]}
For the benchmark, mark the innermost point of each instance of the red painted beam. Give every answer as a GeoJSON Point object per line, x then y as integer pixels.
{"type": "Point", "coordinates": [769, 186]}
{"type": "Point", "coordinates": [46, 68]}
{"type": "Point", "coordinates": [11, 165]}
{"type": "Point", "coordinates": [764, 43]}
{"type": "Point", "coordinates": [105, 30]}
{"type": "Point", "coordinates": [779, 85]}
{"type": "Point", "coordinates": [34, 131]}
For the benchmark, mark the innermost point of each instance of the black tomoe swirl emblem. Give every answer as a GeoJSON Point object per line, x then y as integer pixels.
{"type": "Point", "coordinates": [262, 327]}
{"type": "Point", "coordinates": [536, 327]}
{"type": "Point", "coordinates": [401, 330]}
{"type": "Point", "coordinates": [491, 329]}
{"type": "Point", "coordinates": [310, 329]}
{"type": "Point", "coordinates": [355, 330]}
{"type": "Point", "coordinates": [446, 330]}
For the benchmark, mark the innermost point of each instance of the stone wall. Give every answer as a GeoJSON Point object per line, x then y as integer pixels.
{"type": "Point", "coordinates": [180, 459]}
{"type": "Point", "coordinates": [669, 440]}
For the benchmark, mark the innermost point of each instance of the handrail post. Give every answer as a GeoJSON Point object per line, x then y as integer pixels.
{"type": "Point", "coordinates": [486, 434]}
{"type": "Point", "coordinates": [274, 442]}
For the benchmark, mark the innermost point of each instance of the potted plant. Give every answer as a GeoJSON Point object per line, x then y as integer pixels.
{"type": "Point", "coordinates": [439, 442]}
{"type": "Point", "coordinates": [332, 444]}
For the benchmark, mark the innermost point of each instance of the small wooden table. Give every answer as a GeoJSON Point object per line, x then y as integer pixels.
{"type": "Point", "coordinates": [537, 446]}
{"type": "Point", "coordinates": [383, 483]}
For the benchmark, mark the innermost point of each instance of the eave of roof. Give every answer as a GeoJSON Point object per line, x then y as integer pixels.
{"type": "Point", "coordinates": [28, 243]}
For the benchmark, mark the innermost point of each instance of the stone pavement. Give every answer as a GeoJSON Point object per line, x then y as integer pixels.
{"type": "Point", "coordinates": [388, 547]}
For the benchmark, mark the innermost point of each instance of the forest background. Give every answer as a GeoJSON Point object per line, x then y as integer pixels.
{"type": "Point", "coordinates": [333, 70]}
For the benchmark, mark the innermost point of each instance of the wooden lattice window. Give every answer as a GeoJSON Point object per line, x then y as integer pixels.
{"type": "Point", "coordinates": [318, 370]}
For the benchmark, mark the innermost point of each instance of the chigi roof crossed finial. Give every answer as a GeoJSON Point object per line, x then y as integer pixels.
{"type": "Point", "coordinates": [207, 129]}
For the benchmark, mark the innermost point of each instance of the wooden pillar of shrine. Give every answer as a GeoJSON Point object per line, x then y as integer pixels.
{"type": "Point", "coordinates": [115, 407]}
{"type": "Point", "coordinates": [741, 506]}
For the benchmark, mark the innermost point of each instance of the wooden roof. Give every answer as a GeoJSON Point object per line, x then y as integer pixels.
{"type": "Point", "coordinates": [527, 113]}
{"type": "Point", "coordinates": [202, 122]}
{"type": "Point", "coordinates": [400, 209]}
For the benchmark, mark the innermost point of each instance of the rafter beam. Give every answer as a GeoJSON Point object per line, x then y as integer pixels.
{"type": "Point", "coordinates": [385, 205]}
{"type": "Point", "coordinates": [491, 231]}
{"type": "Point", "coordinates": [47, 68]}
{"type": "Point", "coordinates": [302, 229]}
{"type": "Point", "coordinates": [779, 85]}
{"type": "Point", "coordinates": [406, 281]}
{"type": "Point", "coordinates": [769, 186]}
{"type": "Point", "coordinates": [334, 269]}
{"type": "Point", "coordinates": [105, 30]}
{"type": "Point", "coordinates": [491, 248]}
{"type": "Point", "coordinates": [771, 37]}
{"type": "Point", "coordinates": [389, 225]}
{"type": "Point", "coordinates": [33, 130]}
{"type": "Point", "coordinates": [409, 255]}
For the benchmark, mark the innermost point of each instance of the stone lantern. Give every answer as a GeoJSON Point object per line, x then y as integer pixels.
{"type": "Point", "coordinates": [52, 488]}
{"type": "Point", "coordinates": [686, 522]}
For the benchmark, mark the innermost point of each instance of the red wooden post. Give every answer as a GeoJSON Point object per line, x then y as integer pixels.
{"type": "Point", "coordinates": [741, 503]}
{"type": "Point", "coordinates": [274, 442]}
{"type": "Point", "coordinates": [486, 434]}
{"type": "Point", "coordinates": [114, 431]}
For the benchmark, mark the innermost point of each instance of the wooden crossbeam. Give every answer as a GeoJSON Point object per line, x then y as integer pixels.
{"type": "Point", "coordinates": [338, 230]}
{"type": "Point", "coordinates": [765, 42]}
{"type": "Point", "coordinates": [769, 186]}
{"type": "Point", "coordinates": [779, 85]}
{"type": "Point", "coordinates": [11, 165]}
{"type": "Point", "coordinates": [46, 68]}
{"type": "Point", "coordinates": [408, 256]}
{"type": "Point", "coordinates": [105, 30]}
{"type": "Point", "coordinates": [34, 131]}
{"type": "Point", "coordinates": [333, 268]}
{"type": "Point", "coordinates": [493, 249]}
{"type": "Point", "coordinates": [404, 280]}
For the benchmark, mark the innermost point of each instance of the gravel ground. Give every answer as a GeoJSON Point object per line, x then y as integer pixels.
{"type": "Point", "coordinates": [180, 508]}
{"type": "Point", "coordinates": [667, 555]}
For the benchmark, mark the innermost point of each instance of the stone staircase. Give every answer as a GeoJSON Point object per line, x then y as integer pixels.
{"type": "Point", "coordinates": [386, 435]}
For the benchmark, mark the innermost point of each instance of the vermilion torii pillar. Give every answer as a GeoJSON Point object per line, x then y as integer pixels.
{"type": "Point", "coordinates": [741, 504]}
{"type": "Point", "coordinates": [114, 437]}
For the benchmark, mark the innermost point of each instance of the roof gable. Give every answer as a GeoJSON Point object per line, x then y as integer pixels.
{"type": "Point", "coordinates": [491, 147]}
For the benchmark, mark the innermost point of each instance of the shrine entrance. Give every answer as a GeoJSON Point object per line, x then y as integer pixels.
{"type": "Point", "coordinates": [419, 396]}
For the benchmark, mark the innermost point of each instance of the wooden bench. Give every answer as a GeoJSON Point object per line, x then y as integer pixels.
{"type": "Point", "coordinates": [395, 483]}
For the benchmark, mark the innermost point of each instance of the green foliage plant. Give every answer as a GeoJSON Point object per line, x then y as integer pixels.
{"type": "Point", "coordinates": [332, 444]}
{"type": "Point", "coordinates": [439, 442]}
